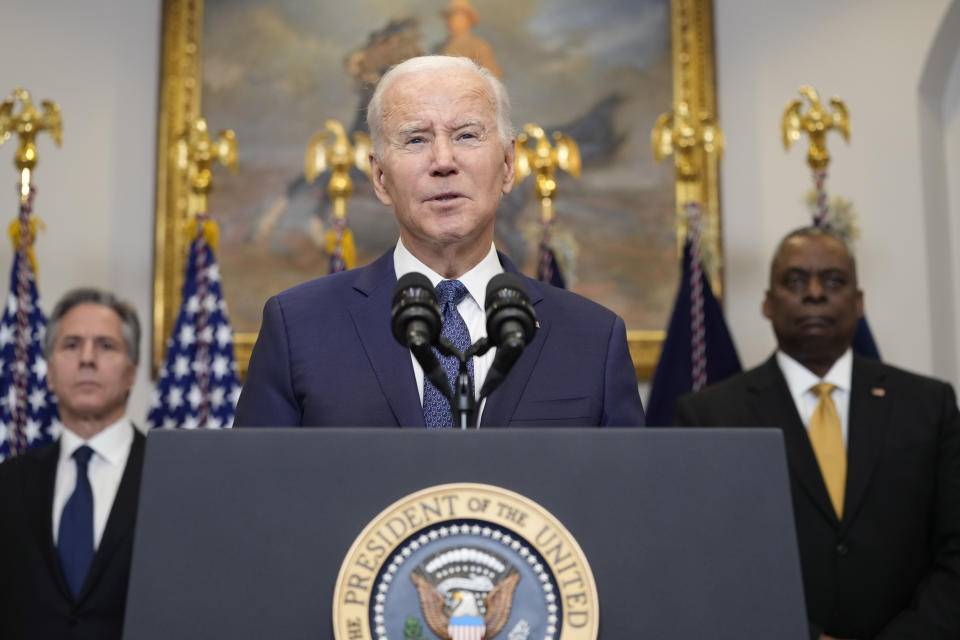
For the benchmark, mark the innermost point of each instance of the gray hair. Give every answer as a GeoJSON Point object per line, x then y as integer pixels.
{"type": "Point", "coordinates": [814, 231]}
{"type": "Point", "coordinates": [421, 64]}
{"type": "Point", "coordinates": [128, 316]}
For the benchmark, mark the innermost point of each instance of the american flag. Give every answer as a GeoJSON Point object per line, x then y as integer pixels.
{"type": "Point", "coordinates": [28, 411]}
{"type": "Point", "coordinates": [198, 385]}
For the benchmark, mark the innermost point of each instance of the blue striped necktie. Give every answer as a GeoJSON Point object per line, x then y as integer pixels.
{"type": "Point", "coordinates": [75, 534]}
{"type": "Point", "coordinates": [436, 409]}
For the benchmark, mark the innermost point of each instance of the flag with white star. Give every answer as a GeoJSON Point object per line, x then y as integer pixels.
{"type": "Point", "coordinates": [198, 385]}
{"type": "Point", "coordinates": [28, 411]}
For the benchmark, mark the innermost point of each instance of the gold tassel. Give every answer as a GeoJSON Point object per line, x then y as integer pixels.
{"type": "Point", "coordinates": [211, 232]}
{"type": "Point", "coordinates": [348, 250]}
{"type": "Point", "coordinates": [14, 232]}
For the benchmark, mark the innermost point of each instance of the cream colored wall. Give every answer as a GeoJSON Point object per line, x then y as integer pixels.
{"type": "Point", "coordinates": [99, 60]}
{"type": "Point", "coordinates": [950, 117]}
{"type": "Point", "coordinates": [871, 53]}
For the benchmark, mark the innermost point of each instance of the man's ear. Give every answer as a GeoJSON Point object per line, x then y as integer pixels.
{"type": "Point", "coordinates": [509, 159]}
{"type": "Point", "coordinates": [765, 307]}
{"type": "Point", "coordinates": [859, 303]}
{"type": "Point", "coordinates": [379, 180]}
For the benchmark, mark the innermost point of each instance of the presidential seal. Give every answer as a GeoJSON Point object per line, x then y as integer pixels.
{"type": "Point", "coordinates": [465, 562]}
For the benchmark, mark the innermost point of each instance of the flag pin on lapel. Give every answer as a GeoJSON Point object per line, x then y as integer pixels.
{"type": "Point", "coordinates": [878, 392]}
{"type": "Point", "coordinates": [536, 323]}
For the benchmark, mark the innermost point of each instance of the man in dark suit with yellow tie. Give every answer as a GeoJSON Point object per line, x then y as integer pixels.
{"type": "Point", "coordinates": [873, 455]}
{"type": "Point", "coordinates": [67, 509]}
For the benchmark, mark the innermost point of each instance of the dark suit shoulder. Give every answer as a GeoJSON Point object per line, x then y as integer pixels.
{"type": "Point", "coordinates": [573, 307]}
{"type": "Point", "coordinates": [362, 279]}
{"type": "Point", "coordinates": [725, 403]}
{"type": "Point", "coordinates": [25, 461]}
{"type": "Point", "coordinates": [734, 386]}
{"type": "Point", "coordinates": [874, 369]}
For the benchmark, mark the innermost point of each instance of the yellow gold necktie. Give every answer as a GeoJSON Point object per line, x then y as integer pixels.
{"type": "Point", "coordinates": [827, 440]}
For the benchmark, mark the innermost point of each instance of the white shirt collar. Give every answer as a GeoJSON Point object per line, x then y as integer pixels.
{"type": "Point", "coordinates": [474, 280]}
{"type": "Point", "coordinates": [800, 379]}
{"type": "Point", "coordinates": [112, 444]}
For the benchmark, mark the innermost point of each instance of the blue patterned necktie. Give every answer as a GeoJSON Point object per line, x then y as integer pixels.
{"type": "Point", "coordinates": [75, 534]}
{"type": "Point", "coordinates": [436, 409]}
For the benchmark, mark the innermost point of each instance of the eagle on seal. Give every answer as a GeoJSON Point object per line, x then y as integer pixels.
{"type": "Point", "coordinates": [463, 622]}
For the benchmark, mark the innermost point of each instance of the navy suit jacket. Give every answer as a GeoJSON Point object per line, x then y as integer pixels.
{"type": "Point", "coordinates": [326, 356]}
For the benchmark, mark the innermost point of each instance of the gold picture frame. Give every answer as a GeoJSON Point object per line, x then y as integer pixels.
{"type": "Point", "coordinates": [180, 96]}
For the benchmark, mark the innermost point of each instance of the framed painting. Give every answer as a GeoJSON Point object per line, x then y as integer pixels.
{"type": "Point", "coordinates": [274, 72]}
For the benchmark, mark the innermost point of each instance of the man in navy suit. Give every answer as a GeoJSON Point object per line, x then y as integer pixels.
{"type": "Point", "coordinates": [67, 509]}
{"type": "Point", "coordinates": [443, 156]}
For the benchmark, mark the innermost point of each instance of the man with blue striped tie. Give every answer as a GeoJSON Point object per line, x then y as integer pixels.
{"type": "Point", "coordinates": [442, 158]}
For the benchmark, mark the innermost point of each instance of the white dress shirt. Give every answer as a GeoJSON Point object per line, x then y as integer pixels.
{"type": "Point", "coordinates": [800, 380]}
{"type": "Point", "coordinates": [111, 448]}
{"type": "Point", "coordinates": [470, 308]}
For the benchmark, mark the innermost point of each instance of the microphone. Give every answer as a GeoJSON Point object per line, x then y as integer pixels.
{"type": "Point", "coordinates": [416, 320]}
{"type": "Point", "coordinates": [511, 323]}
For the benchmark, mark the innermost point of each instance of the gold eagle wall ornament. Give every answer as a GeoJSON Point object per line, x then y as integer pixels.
{"type": "Point", "coordinates": [816, 122]}
{"type": "Point", "coordinates": [198, 152]}
{"type": "Point", "coordinates": [27, 124]}
{"type": "Point", "coordinates": [331, 149]}
{"type": "Point", "coordinates": [684, 136]}
{"type": "Point", "coordinates": [544, 159]}
{"type": "Point", "coordinates": [690, 139]}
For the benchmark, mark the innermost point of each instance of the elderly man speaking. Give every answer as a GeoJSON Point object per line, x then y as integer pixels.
{"type": "Point", "coordinates": [443, 156]}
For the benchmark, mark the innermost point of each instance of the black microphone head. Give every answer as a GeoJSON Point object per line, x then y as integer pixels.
{"type": "Point", "coordinates": [507, 300]}
{"type": "Point", "coordinates": [414, 299]}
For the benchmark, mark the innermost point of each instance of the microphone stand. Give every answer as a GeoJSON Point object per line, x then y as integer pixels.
{"type": "Point", "coordinates": [462, 403]}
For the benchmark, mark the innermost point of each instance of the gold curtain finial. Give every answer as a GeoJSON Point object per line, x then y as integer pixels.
{"type": "Point", "coordinates": [687, 138]}
{"type": "Point", "coordinates": [816, 122]}
{"type": "Point", "coordinates": [543, 159]}
{"type": "Point", "coordinates": [197, 154]}
{"type": "Point", "coordinates": [691, 139]}
{"type": "Point", "coordinates": [27, 124]}
{"type": "Point", "coordinates": [331, 149]}
{"type": "Point", "coordinates": [18, 237]}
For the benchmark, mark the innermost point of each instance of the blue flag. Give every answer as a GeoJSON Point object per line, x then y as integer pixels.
{"type": "Point", "coordinates": [549, 268]}
{"type": "Point", "coordinates": [863, 342]}
{"type": "Point", "coordinates": [198, 385]}
{"type": "Point", "coordinates": [717, 357]}
{"type": "Point", "coordinates": [28, 411]}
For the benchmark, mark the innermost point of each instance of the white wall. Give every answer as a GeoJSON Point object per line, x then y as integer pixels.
{"type": "Point", "coordinates": [872, 54]}
{"type": "Point", "coordinates": [99, 59]}
{"type": "Point", "coordinates": [950, 126]}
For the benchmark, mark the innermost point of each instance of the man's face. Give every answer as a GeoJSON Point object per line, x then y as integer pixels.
{"type": "Point", "coordinates": [443, 168]}
{"type": "Point", "coordinates": [813, 301]}
{"type": "Point", "coordinates": [89, 370]}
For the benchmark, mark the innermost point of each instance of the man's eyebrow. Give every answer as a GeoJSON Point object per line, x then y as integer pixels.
{"type": "Point", "coordinates": [411, 128]}
{"type": "Point", "coordinates": [468, 123]}
{"type": "Point", "coordinates": [80, 336]}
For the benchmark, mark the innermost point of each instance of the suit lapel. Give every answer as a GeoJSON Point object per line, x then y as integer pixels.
{"type": "Point", "coordinates": [868, 422]}
{"type": "Point", "coordinates": [389, 360]}
{"type": "Point", "coordinates": [123, 515]}
{"type": "Point", "coordinates": [503, 401]}
{"type": "Point", "coordinates": [773, 405]}
{"type": "Point", "coordinates": [38, 498]}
